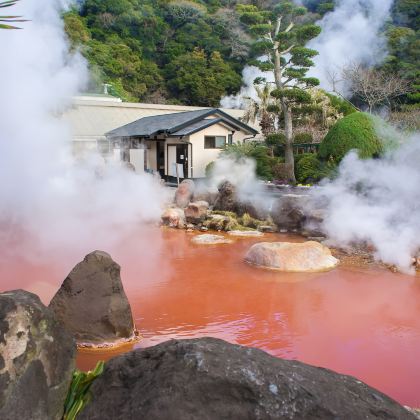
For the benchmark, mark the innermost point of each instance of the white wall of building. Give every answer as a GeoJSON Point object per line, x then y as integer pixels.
{"type": "Point", "coordinates": [201, 156]}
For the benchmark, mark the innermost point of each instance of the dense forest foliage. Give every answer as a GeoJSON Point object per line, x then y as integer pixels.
{"type": "Point", "coordinates": [193, 52]}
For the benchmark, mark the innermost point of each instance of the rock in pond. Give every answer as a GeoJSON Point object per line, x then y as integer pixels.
{"type": "Point", "coordinates": [92, 304]}
{"type": "Point", "coordinates": [211, 379]}
{"type": "Point", "coordinates": [37, 358]}
{"type": "Point", "coordinates": [308, 256]}
{"type": "Point", "coordinates": [174, 217]}
{"type": "Point", "coordinates": [208, 239]}
{"type": "Point", "coordinates": [246, 233]}
{"type": "Point", "coordinates": [196, 212]}
{"type": "Point", "coordinates": [228, 200]}
{"type": "Point", "coordinates": [184, 193]}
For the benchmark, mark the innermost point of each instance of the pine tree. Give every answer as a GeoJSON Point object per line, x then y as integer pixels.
{"type": "Point", "coordinates": [280, 38]}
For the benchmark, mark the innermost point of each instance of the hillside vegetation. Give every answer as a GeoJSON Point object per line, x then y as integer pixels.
{"type": "Point", "coordinates": [193, 52]}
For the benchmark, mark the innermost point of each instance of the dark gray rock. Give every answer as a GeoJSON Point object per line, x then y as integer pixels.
{"type": "Point", "coordinates": [37, 359]}
{"type": "Point", "coordinates": [288, 213]}
{"type": "Point", "coordinates": [211, 379]}
{"type": "Point", "coordinates": [92, 304]}
{"type": "Point", "coordinates": [228, 200]}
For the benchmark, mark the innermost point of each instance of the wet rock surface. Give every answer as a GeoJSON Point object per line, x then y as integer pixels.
{"type": "Point", "coordinates": [292, 257]}
{"type": "Point", "coordinates": [91, 302]}
{"type": "Point", "coordinates": [246, 233]}
{"type": "Point", "coordinates": [196, 212]}
{"type": "Point", "coordinates": [208, 239]}
{"type": "Point", "coordinates": [37, 357]}
{"type": "Point", "coordinates": [209, 378]}
{"type": "Point", "coordinates": [287, 213]}
{"type": "Point", "coordinates": [227, 200]}
{"type": "Point", "coordinates": [184, 193]}
{"type": "Point", "coordinates": [174, 217]}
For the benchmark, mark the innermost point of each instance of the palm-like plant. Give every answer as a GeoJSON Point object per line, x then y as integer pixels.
{"type": "Point", "coordinates": [259, 108]}
{"type": "Point", "coordinates": [6, 20]}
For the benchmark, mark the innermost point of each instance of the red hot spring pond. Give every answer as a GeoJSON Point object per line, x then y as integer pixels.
{"type": "Point", "coordinates": [359, 321]}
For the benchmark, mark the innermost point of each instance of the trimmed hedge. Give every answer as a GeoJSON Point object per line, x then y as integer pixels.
{"type": "Point", "coordinates": [309, 169]}
{"type": "Point", "coordinates": [356, 131]}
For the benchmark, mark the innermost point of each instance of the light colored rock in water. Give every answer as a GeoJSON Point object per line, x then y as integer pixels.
{"type": "Point", "coordinates": [184, 193]}
{"type": "Point", "coordinates": [91, 303]}
{"type": "Point", "coordinates": [293, 257]}
{"type": "Point", "coordinates": [196, 212]}
{"type": "Point", "coordinates": [37, 358]}
{"type": "Point", "coordinates": [251, 233]}
{"type": "Point", "coordinates": [174, 217]}
{"type": "Point", "coordinates": [208, 239]}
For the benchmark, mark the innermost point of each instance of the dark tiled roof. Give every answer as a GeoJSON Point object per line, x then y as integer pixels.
{"type": "Point", "coordinates": [177, 124]}
{"type": "Point", "coordinates": [199, 125]}
{"type": "Point", "coordinates": [149, 126]}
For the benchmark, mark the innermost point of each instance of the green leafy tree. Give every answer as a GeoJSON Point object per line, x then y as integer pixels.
{"type": "Point", "coordinates": [6, 20]}
{"type": "Point", "coordinates": [280, 38]}
{"type": "Point", "coordinates": [198, 79]}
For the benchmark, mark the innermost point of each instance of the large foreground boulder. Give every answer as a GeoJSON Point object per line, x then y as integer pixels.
{"type": "Point", "coordinates": [92, 304]}
{"type": "Point", "coordinates": [184, 193]}
{"type": "Point", "coordinates": [211, 379]}
{"type": "Point", "coordinates": [294, 257]}
{"type": "Point", "coordinates": [37, 359]}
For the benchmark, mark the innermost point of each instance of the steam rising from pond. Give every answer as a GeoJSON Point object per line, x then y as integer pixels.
{"type": "Point", "coordinates": [47, 198]}
{"type": "Point", "coordinates": [378, 201]}
{"type": "Point", "coordinates": [350, 34]}
{"type": "Point", "coordinates": [371, 201]}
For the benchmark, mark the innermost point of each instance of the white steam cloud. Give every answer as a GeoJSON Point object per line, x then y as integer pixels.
{"type": "Point", "coordinates": [350, 34]}
{"type": "Point", "coordinates": [377, 201]}
{"type": "Point", "coordinates": [240, 100]}
{"type": "Point", "coordinates": [46, 197]}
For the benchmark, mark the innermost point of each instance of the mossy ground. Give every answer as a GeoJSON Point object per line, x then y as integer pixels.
{"type": "Point", "coordinates": [231, 221]}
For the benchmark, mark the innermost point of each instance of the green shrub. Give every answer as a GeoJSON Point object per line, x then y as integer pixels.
{"type": "Point", "coordinates": [303, 138]}
{"type": "Point", "coordinates": [309, 169]}
{"type": "Point", "coordinates": [356, 131]}
{"type": "Point", "coordinates": [341, 105]}
{"type": "Point", "coordinates": [256, 151]}
{"type": "Point", "coordinates": [274, 139]}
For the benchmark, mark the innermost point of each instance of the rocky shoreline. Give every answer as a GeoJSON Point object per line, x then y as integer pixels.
{"type": "Point", "coordinates": [225, 211]}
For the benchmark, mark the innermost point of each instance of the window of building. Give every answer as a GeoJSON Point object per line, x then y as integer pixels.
{"type": "Point", "coordinates": [214, 142]}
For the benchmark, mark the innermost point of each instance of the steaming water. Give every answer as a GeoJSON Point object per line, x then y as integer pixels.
{"type": "Point", "coordinates": [60, 203]}
{"type": "Point", "coordinates": [363, 322]}
{"type": "Point", "coordinates": [378, 201]}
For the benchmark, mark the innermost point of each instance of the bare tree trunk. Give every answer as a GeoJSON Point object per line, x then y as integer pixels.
{"type": "Point", "coordinates": [288, 146]}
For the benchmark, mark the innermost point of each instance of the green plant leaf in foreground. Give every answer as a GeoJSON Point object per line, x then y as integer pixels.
{"type": "Point", "coordinates": [78, 395]}
{"type": "Point", "coordinates": [9, 19]}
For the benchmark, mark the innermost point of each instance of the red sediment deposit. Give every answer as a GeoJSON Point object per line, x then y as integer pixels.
{"type": "Point", "coordinates": [358, 320]}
